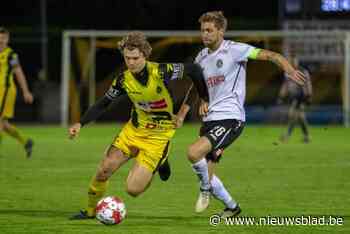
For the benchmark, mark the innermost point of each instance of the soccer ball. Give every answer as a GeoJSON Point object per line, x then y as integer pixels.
{"type": "Point", "coordinates": [110, 210]}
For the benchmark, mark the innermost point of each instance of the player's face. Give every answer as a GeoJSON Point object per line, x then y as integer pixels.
{"type": "Point", "coordinates": [4, 39]}
{"type": "Point", "coordinates": [211, 35]}
{"type": "Point", "coordinates": [134, 59]}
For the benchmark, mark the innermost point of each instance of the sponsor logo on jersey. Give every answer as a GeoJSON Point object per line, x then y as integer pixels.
{"type": "Point", "coordinates": [153, 105]}
{"type": "Point", "coordinates": [158, 104]}
{"type": "Point", "coordinates": [215, 80]}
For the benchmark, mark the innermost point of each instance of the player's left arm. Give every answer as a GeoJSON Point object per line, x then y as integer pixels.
{"type": "Point", "coordinates": [186, 107]}
{"type": "Point", "coordinates": [19, 74]}
{"type": "Point", "coordinates": [280, 61]}
{"type": "Point", "coordinates": [195, 72]}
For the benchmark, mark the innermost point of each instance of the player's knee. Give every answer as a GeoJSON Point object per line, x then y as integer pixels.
{"type": "Point", "coordinates": [192, 153]}
{"type": "Point", "coordinates": [133, 191]}
{"type": "Point", "coordinates": [6, 125]}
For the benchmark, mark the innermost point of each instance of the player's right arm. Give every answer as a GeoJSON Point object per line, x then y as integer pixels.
{"type": "Point", "coordinates": [97, 109]}
{"type": "Point", "coordinates": [185, 107]}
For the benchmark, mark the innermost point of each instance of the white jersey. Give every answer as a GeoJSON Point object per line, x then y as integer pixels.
{"type": "Point", "coordinates": [225, 74]}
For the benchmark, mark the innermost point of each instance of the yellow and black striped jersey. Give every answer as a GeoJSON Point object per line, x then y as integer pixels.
{"type": "Point", "coordinates": [8, 60]}
{"type": "Point", "coordinates": [152, 103]}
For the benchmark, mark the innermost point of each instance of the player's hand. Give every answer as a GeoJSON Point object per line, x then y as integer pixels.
{"type": "Point", "coordinates": [297, 76]}
{"type": "Point", "coordinates": [203, 108]}
{"type": "Point", "coordinates": [178, 122]}
{"type": "Point", "coordinates": [74, 130]}
{"type": "Point", "coordinates": [28, 97]}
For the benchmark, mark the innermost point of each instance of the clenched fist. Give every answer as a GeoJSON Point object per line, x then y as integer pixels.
{"type": "Point", "coordinates": [74, 130]}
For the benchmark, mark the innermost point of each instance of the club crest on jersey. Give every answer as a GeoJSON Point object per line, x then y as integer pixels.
{"type": "Point", "coordinates": [159, 89]}
{"type": "Point", "coordinates": [219, 63]}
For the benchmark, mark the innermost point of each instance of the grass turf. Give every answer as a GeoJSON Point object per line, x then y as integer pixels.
{"type": "Point", "coordinates": [266, 177]}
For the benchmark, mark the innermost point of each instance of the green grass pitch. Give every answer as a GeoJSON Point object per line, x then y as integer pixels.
{"type": "Point", "coordinates": [266, 177]}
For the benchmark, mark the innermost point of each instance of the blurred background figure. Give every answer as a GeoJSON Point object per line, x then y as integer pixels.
{"type": "Point", "coordinates": [297, 97]}
{"type": "Point", "coordinates": [9, 68]}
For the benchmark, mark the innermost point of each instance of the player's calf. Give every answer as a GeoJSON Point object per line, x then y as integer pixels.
{"type": "Point", "coordinates": [139, 179]}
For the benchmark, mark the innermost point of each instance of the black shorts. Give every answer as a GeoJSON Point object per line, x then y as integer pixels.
{"type": "Point", "coordinates": [221, 134]}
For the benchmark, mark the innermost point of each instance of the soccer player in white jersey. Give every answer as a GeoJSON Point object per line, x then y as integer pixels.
{"type": "Point", "coordinates": [224, 68]}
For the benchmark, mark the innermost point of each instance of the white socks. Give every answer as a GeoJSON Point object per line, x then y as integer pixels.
{"type": "Point", "coordinates": [220, 192]}
{"type": "Point", "coordinates": [216, 186]}
{"type": "Point", "coordinates": [201, 169]}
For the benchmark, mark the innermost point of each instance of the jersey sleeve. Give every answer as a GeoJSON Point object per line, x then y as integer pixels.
{"type": "Point", "coordinates": [197, 58]}
{"type": "Point", "coordinates": [171, 71]}
{"type": "Point", "coordinates": [241, 51]}
{"type": "Point", "coordinates": [13, 60]}
{"type": "Point", "coordinates": [254, 53]}
{"type": "Point", "coordinates": [116, 89]}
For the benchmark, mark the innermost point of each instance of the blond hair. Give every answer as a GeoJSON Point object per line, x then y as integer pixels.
{"type": "Point", "coordinates": [216, 17]}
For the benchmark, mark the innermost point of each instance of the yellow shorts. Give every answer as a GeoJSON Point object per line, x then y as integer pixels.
{"type": "Point", "coordinates": [7, 102]}
{"type": "Point", "coordinates": [149, 147]}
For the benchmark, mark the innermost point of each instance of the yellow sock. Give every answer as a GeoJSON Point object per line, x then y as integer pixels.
{"type": "Point", "coordinates": [14, 132]}
{"type": "Point", "coordinates": [96, 191]}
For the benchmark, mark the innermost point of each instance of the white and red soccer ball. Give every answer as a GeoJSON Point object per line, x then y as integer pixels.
{"type": "Point", "coordinates": [110, 210]}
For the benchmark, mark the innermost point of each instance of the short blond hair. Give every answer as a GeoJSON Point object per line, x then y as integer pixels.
{"type": "Point", "coordinates": [216, 17]}
{"type": "Point", "coordinates": [136, 40]}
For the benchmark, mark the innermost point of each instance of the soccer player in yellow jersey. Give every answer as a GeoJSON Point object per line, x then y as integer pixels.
{"type": "Point", "coordinates": [147, 135]}
{"type": "Point", "coordinates": [10, 67]}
